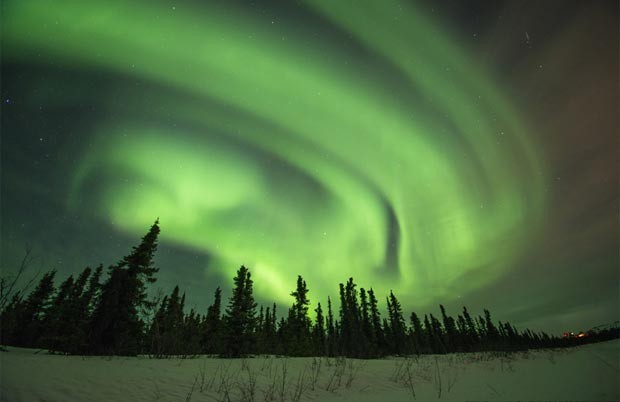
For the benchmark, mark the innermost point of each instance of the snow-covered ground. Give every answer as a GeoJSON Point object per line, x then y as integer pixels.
{"type": "Point", "coordinates": [584, 373]}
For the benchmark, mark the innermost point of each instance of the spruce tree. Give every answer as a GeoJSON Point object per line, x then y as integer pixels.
{"type": "Point", "coordinates": [262, 343]}
{"type": "Point", "coordinates": [68, 326]}
{"type": "Point", "coordinates": [367, 330]}
{"type": "Point", "coordinates": [9, 319]}
{"type": "Point", "coordinates": [466, 342]}
{"type": "Point", "coordinates": [158, 329]}
{"type": "Point", "coordinates": [438, 336]}
{"type": "Point", "coordinates": [212, 328]}
{"type": "Point", "coordinates": [29, 323]}
{"type": "Point", "coordinates": [240, 318]}
{"type": "Point", "coordinates": [397, 325]}
{"type": "Point", "coordinates": [299, 340]}
{"type": "Point", "coordinates": [472, 334]}
{"type": "Point", "coordinates": [259, 330]}
{"type": "Point", "coordinates": [375, 320]}
{"type": "Point", "coordinates": [271, 339]}
{"type": "Point", "coordinates": [420, 341]}
{"type": "Point", "coordinates": [65, 331]}
{"type": "Point", "coordinates": [190, 345]}
{"type": "Point", "coordinates": [116, 327]}
{"type": "Point", "coordinates": [450, 338]}
{"type": "Point", "coordinates": [491, 330]}
{"type": "Point", "coordinates": [54, 323]}
{"type": "Point", "coordinates": [430, 335]}
{"type": "Point", "coordinates": [352, 339]}
{"type": "Point", "coordinates": [173, 324]}
{"type": "Point", "coordinates": [331, 330]}
{"type": "Point", "coordinates": [319, 332]}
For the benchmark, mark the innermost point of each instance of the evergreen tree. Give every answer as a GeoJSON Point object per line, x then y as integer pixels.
{"type": "Point", "coordinates": [298, 323]}
{"type": "Point", "coordinates": [281, 337]}
{"type": "Point", "coordinates": [54, 323]}
{"type": "Point", "coordinates": [481, 329]}
{"type": "Point", "coordinates": [450, 338]}
{"type": "Point", "coordinates": [367, 329]}
{"type": "Point", "coordinates": [375, 320]}
{"type": "Point", "coordinates": [191, 334]}
{"type": "Point", "coordinates": [30, 318]}
{"type": "Point", "coordinates": [492, 334]}
{"type": "Point", "coordinates": [472, 334]}
{"type": "Point", "coordinates": [212, 327]}
{"type": "Point", "coordinates": [338, 350]}
{"type": "Point", "coordinates": [158, 329]}
{"type": "Point", "coordinates": [270, 331]}
{"type": "Point", "coordinates": [331, 330]}
{"type": "Point", "coordinates": [438, 336]}
{"type": "Point", "coordinates": [78, 311]}
{"type": "Point", "coordinates": [173, 324]}
{"type": "Point", "coordinates": [240, 318]}
{"type": "Point", "coordinates": [262, 346]}
{"type": "Point", "coordinates": [9, 319]}
{"type": "Point", "coordinates": [319, 332]}
{"type": "Point", "coordinates": [466, 342]}
{"type": "Point", "coordinates": [260, 326]}
{"type": "Point", "coordinates": [397, 326]}
{"type": "Point", "coordinates": [387, 334]}
{"type": "Point", "coordinates": [431, 335]}
{"type": "Point", "coordinates": [352, 338]}
{"type": "Point", "coordinates": [420, 341]}
{"type": "Point", "coordinates": [116, 327]}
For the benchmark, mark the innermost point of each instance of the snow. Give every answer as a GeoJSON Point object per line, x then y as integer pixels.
{"type": "Point", "coordinates": [588, 372]}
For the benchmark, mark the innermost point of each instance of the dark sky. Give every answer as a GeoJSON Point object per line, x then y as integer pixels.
{"type": "Point", "coordinates": [463, 153]}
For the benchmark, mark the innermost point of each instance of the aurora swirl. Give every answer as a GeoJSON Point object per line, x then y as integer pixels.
{"type": "Point", "coordinates": [382, 151]}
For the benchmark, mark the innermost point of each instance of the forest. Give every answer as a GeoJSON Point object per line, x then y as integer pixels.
{"type": "Point", "coordinates": [90, 315]}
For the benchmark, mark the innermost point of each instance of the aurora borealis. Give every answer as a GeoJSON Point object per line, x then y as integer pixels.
{"type": "Point", "coordinates": [452, 153]}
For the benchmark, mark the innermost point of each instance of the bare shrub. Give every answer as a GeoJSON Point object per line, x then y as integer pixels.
{"type": "Point", "coordinates": [399, 370]}
{"type": "Point", "coordinates": [315, 371]}
{"type": "Point", "coordinates": [352, 371]}
{"type": "Point", "coordinates": [188, 397]}
{"type": "Point", "coordinates": [202, 376]}
{"type": "Point", "coordinates": [284, 373]}
{"type": "Point", "coordinates": [226, 382]}
{"type": "Point", "coordinates": [335, 379]}
{"type": "Point", "coordinates": [248, 389]}
{"type": "Point", "coordinates": [269, 393]}
{"type": "Point", "coordinates": [409, 380]}
{"type": "Point", "coordinates": [437, 378]}
{"type": "Point", "coordinates": [299, 387]}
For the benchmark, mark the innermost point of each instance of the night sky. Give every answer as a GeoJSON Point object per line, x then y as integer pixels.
{"type": "Point", "coordinates": [463, 153]}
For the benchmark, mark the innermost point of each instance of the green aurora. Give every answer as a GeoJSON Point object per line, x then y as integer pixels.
{"type": "Point", "coordinates": [392, 156]}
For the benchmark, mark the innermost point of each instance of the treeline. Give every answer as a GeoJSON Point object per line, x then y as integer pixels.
{"type": "Point", "coordinates": [87, 316]}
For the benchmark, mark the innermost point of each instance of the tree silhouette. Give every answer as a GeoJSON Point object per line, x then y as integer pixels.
{"type": "Point", "coordinates": [59, 312]}
{"type": "Point", "coordinates": [240, 318]}
{"type": "Point", "coordinates": [116, 327]}
{"type": "Point", "coordinates": [31, 313]}
{"type": "Point", "coordinates": [299, 342]}
{"type": "Point", "coordinates": [212, 326]}
{"type": "Point", "coordinates": [319, 333]}
{"type": "Point", "coordinates": [331, 330]}
{"type": "Point", "coordinates": [375, 320]}
{"type": "Point", "coordinates": [86, 316]}
{"type": "Point", "coordinates": [420, 341]}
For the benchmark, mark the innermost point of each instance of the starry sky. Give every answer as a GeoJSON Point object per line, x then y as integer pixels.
{"type": "Point", "coordinates": [463, 153]}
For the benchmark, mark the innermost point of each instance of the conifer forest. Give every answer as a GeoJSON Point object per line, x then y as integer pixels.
{"type": "Point", "coordinates": [109, 313]}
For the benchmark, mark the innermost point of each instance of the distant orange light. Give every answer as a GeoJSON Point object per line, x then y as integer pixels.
{"type": "Point", "coordinates": [581, 335]}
